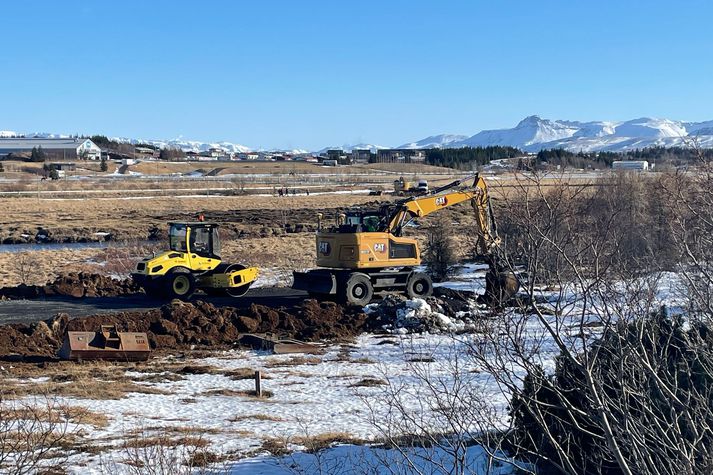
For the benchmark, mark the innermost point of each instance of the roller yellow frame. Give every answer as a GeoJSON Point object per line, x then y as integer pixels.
{"type": "Point", "coordinates": [192, 262]}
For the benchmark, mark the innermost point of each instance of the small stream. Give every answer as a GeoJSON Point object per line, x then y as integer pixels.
{"type": "Point", "coordinates": [12, 248]}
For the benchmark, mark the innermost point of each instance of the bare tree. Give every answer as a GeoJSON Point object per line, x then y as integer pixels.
{"type": "Point", "coordinates": [600, 377]}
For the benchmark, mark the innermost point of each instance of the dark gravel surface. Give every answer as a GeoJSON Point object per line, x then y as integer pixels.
{"type": "Point", "coordinates": [28, 311]}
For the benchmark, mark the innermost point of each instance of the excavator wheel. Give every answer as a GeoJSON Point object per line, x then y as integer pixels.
{"type": "Point", "coordinates": [357, 290]}
{"type": "Point", "coordinates": [179, 283]}
{"type": "Point", "coordinates": [419, 285]}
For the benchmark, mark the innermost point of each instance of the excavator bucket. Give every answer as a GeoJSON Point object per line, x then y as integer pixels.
{"type": "Point", "coordinates": [501, 285]}
{"type": "Point", "coordinates": [106, 344]}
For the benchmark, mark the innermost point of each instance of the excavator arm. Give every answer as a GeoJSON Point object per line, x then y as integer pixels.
{"type": "Point", "coordinates": [444, 197]}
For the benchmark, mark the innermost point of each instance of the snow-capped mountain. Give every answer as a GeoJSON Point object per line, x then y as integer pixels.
{"type": "Point", "coordinates": [534, 133]}
{"type": "Point", "coordinates": [187, 145]}
{"type": "Point", "coordinates": [44, 135]}
{"type": "Point", "coordinates": [531, 134]}
{"type": "Point", "coordinates": [350, 147]}
{"type": "Point", "coordinates": [436, 141]}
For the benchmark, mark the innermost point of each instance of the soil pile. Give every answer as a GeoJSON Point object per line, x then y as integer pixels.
{"type": "Point", "coordinates": [180, 325]}
{"type": "Point", "coordinates": [73, 284]}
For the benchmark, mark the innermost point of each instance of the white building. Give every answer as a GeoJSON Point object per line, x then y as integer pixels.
{"type": "Point", "coordinates": [638, 165]}
{"type": "Point", "coordinates": [55, 149]}
{"type": "Point", "coordinates": [248, 156]}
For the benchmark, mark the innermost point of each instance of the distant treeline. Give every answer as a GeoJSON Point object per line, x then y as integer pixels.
{"type": "Point", "coordinates": [673, 156]}
{"type": "Point", "coordinates": [566, 159]}
{"type": "Point", "coordinates": [467, 158]}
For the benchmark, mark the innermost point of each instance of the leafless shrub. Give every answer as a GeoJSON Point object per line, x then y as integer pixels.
{"type": "Point", "coordinates": [25, 265]}
{"type": "Point", "coordinates": [602, 410]}
{"type": "Point", "coordinates": [600, 378]}
{"type": "Point", "coordinates": [439, 253]}
{"type": "Point", "coordinates": [159, 452]}
{"type": "Point", "coordinates": [33, 434]}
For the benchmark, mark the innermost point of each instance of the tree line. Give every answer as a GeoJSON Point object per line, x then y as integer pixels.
{"type": "Point", "coordinates": [466, 158]}
{"type": "Point", "coordinates": [469, 158]}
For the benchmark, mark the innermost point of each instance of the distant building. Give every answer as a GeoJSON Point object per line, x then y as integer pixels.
{"type": "Point", "coordinates": [339, 155]}
{"type": "Point", "coordinates": [146, 152]}
{"type": "Point", "coordinates": [361, 155]}
{"type": "Point", "coordinates": [63, 167]}
{"type": "Point", "coordinates": [214, 153]}
{"type": "Point", "coordinates": [403, 155]}
{"type": "Point", "coordinates": [248, 156]}
{"type": "Point", "coordinates": [55, 149]}
{"type": "Point", "coordinates": [637, 165]}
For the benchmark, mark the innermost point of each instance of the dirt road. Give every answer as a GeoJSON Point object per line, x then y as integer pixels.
{"type": "Point", "coordinates": [28, 311]}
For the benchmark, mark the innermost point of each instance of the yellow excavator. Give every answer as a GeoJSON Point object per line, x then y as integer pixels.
{"type": "Point", "coordinates": [364, 252]}
{"type": "Point", "coordinates": [192, 262]}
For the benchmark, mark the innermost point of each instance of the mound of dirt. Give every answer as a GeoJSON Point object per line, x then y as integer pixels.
{"type": "Point", "coordinates": [181, 325]}
{"type": "Point", "coordinates": [73, 284]}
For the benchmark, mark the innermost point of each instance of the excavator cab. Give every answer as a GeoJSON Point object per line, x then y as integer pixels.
{"type": "Point", "coordinates": [359, 222]}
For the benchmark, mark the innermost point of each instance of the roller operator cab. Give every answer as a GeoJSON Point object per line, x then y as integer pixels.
{"type": "Point", "coordinates": [193, 261]}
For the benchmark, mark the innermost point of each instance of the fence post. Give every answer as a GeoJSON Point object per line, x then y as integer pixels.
{"type": "Point", "coordinates": [258, 384]}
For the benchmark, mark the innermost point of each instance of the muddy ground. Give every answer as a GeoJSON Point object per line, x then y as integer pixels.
{"type": "Point", "coordinates": [74, 284]}
{"type": "Point", "coordinates": [179, 325]}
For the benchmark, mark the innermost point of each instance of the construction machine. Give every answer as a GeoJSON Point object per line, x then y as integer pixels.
{"type": "Point", "coordinates": [192, 262]}
{"type": "Point", "coordinates": [403, 187]}
{"type": "Point", "coordinates": [365, 252]}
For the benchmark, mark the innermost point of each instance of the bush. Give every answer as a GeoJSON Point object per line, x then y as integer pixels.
{"type": "Point", "coordinates": [38, 155]}
{"type": "Point", "coordinates": [654, 380]}
{"type": "Point", "coordinates": [440, 255]}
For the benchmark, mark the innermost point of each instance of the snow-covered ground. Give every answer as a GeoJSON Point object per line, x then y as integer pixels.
{"type": "Point", "coordinates": [311, 396]}
{"type": "Point", "coordinates": [333, 393]}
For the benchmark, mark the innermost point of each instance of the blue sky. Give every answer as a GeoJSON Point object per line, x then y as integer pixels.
{"type": "Point", "coordinates": [307, 74]}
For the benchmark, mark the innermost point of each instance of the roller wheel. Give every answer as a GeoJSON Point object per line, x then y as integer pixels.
{"type": "Point", "coordinates": [358, 290]}
{"type": "Point", "coordinates": [419, 285]}
{"type": "Point", "coordinates": [179, 284]}
{"type": "Point", "coordinates": [230, 291]}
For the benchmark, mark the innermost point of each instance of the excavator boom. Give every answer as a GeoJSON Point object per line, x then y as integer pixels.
{"type": "Point", "coordinates": [441, 198]}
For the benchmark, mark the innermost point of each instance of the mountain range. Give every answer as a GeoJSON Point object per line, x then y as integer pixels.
{"type": "Point", "coordinates": [534, 133]}
{"type": "Point", "coordinates": [531, 134]}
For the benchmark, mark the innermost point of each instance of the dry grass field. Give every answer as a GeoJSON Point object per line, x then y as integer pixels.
{"type": "Point", "coordinates": [257, 230]}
